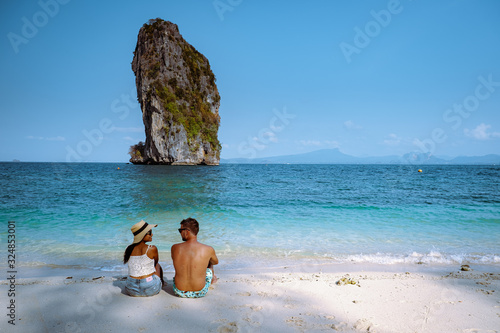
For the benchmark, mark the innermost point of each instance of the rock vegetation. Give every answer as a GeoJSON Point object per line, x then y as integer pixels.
{"type": "Point", "coordinates": [179, 99]}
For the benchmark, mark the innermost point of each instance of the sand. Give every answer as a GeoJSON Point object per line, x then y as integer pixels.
{"type": "Point", "coordinates": [301, 298]}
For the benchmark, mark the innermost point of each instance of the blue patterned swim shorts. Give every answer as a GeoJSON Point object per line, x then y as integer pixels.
{"type": "Point", "coordinates": [196, 294]}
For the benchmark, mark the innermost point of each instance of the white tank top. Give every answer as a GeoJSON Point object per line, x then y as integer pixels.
{"type": "Point", "coordinates": [141, 265]}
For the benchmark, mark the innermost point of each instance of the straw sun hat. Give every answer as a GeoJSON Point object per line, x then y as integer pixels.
{"type": "Point", "coordinates": [140, 229]}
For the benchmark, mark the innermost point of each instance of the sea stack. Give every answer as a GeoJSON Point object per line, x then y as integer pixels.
{"type": "Point", "coordinates": [179, 99]}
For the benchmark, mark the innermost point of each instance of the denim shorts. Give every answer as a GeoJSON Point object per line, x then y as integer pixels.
{"type": "Point", "coordinates": [149, 286]}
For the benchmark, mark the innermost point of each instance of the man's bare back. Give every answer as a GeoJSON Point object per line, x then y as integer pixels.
{"type": "Point", "coordinates": [191, 260]}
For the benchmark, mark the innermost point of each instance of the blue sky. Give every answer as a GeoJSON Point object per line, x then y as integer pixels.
{"type": "Point", "coordinates": [371, 78]}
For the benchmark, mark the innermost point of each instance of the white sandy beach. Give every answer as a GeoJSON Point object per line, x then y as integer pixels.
{"type": "Point", "coordinates": [304, 298]}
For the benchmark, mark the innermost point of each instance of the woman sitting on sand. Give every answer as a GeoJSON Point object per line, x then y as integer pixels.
{"type": "Point", "coordinates": [145, 273]}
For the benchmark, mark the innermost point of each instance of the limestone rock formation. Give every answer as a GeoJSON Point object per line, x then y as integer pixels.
{"type": "Point", "coordinates": [179, 99]}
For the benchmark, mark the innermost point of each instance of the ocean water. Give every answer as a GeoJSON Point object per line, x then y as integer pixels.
{"type": "Point", "coordinates": [79, 215]}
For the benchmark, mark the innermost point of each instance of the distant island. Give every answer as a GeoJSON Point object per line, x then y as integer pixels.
{"type": "Point", "coordinates": [334, 156]}
{"type": "Point", "coordinates": [179, 99]}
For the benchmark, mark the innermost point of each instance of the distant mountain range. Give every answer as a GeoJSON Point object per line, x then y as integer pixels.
{"type": "Point", "coordinates": [334, 156]}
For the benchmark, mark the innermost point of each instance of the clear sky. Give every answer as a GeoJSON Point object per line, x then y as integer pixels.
{"type": "Point", "coordinates": [371, 78]}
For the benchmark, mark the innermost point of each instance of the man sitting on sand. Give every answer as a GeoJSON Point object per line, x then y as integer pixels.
{"type": "Point", "coordinates": [193, 262]}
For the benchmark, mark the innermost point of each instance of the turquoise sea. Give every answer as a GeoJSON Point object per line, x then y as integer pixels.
{"type": "Point", "coordinates": [79, 215]}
